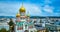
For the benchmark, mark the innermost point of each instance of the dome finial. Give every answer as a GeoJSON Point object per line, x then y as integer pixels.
{"type": "Point", "coordinates": [22, 9]}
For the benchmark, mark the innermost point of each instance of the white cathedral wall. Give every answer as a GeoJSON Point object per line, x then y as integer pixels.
{"type": "Point", "coordinates": [18, 30]}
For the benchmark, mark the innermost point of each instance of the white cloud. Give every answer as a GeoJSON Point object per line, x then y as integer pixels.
{"type": "Point", "coordinates": [33, 8]}
{"type": "Point", "coordinates": [8, 8]}
{"type": "Point", "coordinates": [48, 9]}
{"type": "Point", "coordinates": [12, 9]}
{"type": "Point", "coordinates": [47, 1]}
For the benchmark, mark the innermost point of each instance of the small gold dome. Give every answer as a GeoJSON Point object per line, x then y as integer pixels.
{"type": "Point", "coordinates": [18, 15]}
{"type": "Point", "coordinates": [22, 9]}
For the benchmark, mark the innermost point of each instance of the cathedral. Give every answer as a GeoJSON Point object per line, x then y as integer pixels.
{"type": "Point", "coordinates": [23, 22]}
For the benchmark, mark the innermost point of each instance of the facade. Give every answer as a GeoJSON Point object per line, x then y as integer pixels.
{"type": "Point", "coordinates": [42, 30]}
{"type": "Point", "coordinates": [51, 25]}
{"type": "Point", "coordinates": [23, 22]}
{"type": "Point", "coordinates": [3, 23]}
{"type": "Point", "coordinates": [51, 28]}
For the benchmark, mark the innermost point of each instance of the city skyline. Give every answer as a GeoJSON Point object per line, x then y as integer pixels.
{"type": "Point", "coordinates": [35, 7]}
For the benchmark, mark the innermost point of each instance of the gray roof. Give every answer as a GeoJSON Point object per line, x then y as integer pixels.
{"type": "Point", "coordinates": [40, 28]}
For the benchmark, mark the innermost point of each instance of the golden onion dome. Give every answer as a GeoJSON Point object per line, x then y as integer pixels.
{"type": "Point", "coordinates": [22, 9]}
{"type": "Point", "coordinates": [18, 15]}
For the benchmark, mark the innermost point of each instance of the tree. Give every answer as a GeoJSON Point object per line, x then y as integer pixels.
{"type": "Point", "coordinates": [47, 30]}
{"type": "Point", "coordinates": [3, 30]}
{"type": "Point", "coordinates": [8, 31]}
{"type": "Point", "coordinates": [0, 30]}
{"type": "Point", "coordinates": [38, 30]}
{"type": "Point", "coordinates": [11, 25]}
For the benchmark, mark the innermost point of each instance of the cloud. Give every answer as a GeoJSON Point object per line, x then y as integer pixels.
{"type": "Point", "coordinates": [12, 9]}
{"type": "Point", "coordinates": [48, 9]}
{"type": "Point", "coordinates": [48, 1]}
{"type": "Point", "coordinates": [34, 9]}
{"type": "Point", "coordinates": [57, 10]}
{"type": "Point", "coordinates": [8, 9]}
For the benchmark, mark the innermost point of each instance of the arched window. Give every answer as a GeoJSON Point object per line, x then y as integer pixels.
{"type": "Point", "coordinates": [31, 31]}
{"type": "Point", "coordinates": [25, 26]}
{"type": "Point", "coordinates": [26, 31]}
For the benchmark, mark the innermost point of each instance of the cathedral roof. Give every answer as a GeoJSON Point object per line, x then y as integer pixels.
{"type": "Point", "coordinates": [17, 15]}
{"type": "Point", "coordinates": [22, 9]}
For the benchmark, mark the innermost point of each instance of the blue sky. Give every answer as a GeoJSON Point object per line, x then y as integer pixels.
{"type": "Point", "coordinates": [35, 7]}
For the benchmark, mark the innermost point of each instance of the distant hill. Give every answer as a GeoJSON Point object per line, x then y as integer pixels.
{"type": "Point", "coordinates": [45, 16]}
{"type": "Point", "coordinates": [31, 16]}
{"type": "Point", "coordinates": [7, 17]}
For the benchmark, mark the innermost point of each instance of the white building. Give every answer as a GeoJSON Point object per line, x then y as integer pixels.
{"type": "Point", "coordinates": [23, 22]}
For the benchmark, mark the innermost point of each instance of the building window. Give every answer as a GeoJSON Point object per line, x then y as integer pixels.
{"type": "Point", "coordinates": [25, 26]}
{"type": "Point", "coordinates": [26, 31]}
{"type": "Point", "coordinates": [35, 21]}
{"type": "Point", "coordinates": [31, 31]}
